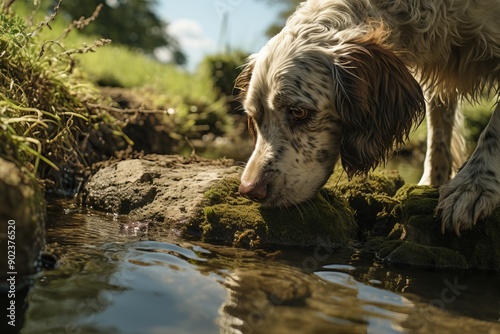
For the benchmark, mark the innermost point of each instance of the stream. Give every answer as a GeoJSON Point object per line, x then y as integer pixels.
{"type": "Point", "coordinates": [114, 276]}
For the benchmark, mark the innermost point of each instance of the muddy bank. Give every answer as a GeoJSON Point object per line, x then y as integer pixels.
{"type": "Point", "coordinates": [195, 198]}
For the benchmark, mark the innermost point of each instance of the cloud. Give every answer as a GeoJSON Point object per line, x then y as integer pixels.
{"type": "Point", "coordinates": [192, 40]}
{"type": "Point", "coordinates": [190, 35]}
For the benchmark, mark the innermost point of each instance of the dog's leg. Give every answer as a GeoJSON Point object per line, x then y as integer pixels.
{"type": "Point", "coordinates": [475, 190]}
{"type": "Point", "coordinates": [445, 145]}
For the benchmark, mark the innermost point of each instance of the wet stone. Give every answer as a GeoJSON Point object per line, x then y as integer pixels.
{"type": "Point", "coordinates": [199, 200]}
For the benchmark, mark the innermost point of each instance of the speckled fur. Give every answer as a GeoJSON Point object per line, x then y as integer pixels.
{"type": "Point", "coordinates": [355, 72]}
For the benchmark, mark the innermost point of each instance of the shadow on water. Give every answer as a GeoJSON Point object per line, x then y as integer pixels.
{"type": "Point", "coordinates": [116, 276]}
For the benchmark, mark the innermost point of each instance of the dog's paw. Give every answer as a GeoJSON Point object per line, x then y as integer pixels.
{"type": "Point", "coordinates": [472, 195]}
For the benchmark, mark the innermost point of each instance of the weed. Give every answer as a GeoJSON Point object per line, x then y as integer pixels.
{"type": "Point", "coordinates": [46, 122]}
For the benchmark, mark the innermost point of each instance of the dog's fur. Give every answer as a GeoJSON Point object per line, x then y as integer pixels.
{"type": "Point", "coordinates": [343, 79]}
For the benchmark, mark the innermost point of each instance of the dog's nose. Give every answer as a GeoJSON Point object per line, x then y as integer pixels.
{"type": "Point", "coordinates": [256, 191]}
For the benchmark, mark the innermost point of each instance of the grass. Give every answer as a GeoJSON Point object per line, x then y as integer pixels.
{"type": "Point", "coordinates": [121, 66]}
{"type": "Point", "coordinates": [50, 118]}
{"type": "Point", "coordinates": [55, 121]}
{"type": "Point", "coordinates": [46, 123]}
{"type": "Point", "coordinates": [191, 105]}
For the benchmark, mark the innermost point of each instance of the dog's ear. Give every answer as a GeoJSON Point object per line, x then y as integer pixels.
{"type": "Point", "coordinates": [378, 101]}
{"type": "Point", "coordinates": [243, 80]}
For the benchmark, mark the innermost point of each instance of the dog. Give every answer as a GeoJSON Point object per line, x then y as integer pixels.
{"type": "Point", "coordinates": [350, 79]}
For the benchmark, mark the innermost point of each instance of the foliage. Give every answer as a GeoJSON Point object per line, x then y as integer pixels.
{"type": "Point", "coordinates": [223, 70]}
{"type": "Point", "coordinates": [289, 7]}
{"type": "Point", "coordinates": [133, 23]}
{"type": "Point", "coordinates": [50, 121]}
{"type": "Point", "coordinates": [477, 116]}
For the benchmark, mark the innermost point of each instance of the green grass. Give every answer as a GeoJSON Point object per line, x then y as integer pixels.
{"type": "Point", "coordinates": [191, 102]}
{"type": "Point", "coordinates": [53, 117]}
{"type": "Point", "coordinates": [118, 65]}
{"type": "Point", "coordinates": [46, 122]}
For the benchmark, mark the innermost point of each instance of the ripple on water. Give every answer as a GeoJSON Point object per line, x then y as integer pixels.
{"type": "Point", "coordinates": [109, 281]}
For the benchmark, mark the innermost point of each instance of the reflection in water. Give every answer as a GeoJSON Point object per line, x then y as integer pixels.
{"type": "Point", "coordinates": [112, 281]}
{"type": "Point", "coordinates": [359, 296]}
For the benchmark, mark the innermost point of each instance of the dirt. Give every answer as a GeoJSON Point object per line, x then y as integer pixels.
{"type": "Point", "coordinates": [154, 133]}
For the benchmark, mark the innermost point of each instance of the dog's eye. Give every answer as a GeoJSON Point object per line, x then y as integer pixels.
{"type": "Point", "coordinates": [299, 114]}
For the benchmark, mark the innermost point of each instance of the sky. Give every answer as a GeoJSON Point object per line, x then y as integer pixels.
{"type": "Point", "coordinates": [197, 25]}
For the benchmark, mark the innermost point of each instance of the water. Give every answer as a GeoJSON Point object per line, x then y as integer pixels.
{"type": "Point", "coordinates": [117, 277]}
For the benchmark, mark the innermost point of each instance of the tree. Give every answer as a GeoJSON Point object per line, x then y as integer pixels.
{"type": "Point", "coordinates": [289, 7]}
{"type": "Point", "coordinates": [129, 22]}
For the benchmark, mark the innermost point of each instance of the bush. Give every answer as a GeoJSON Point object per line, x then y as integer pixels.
{"type": "Point", "coordinates": [223, 70]}
{"type": "Point", "coordinates": [477, 117]}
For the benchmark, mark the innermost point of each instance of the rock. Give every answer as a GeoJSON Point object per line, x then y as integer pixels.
{"type": "Point", "coordinates": [22, 217]}
{"type": "Point", "coordinates": [371, 198]}
{"type": "Point", "coordinates": [399, 223]}
{"type": "Point", "coordinates": [324, 220]}
{"type": "Point", "coordinates": [164, 189]}
{"type": "Point", "coordinates": [420, 228]}
{"type": "Point", "coordinates": [198, 198]}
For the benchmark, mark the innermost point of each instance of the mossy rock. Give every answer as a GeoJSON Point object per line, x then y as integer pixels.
{"type": "Point", "coordinates": [399, 251]}
{"type": "Point", "coordinates": [371, 198]}
{"type": "Point", "coordinates": [417, 239]}
{"type": "Point", "coordinates": [198, 199]}
{"type": "Point", "coordinates": [228, 218]}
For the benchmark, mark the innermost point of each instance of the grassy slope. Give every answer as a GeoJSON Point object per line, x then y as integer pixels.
{"type": "Point", "coordinates": [50, 120]}
{"type": "Point", "coordinates": [49, 98]}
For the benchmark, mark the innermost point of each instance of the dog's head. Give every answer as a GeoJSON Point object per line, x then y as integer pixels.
{"type": "Point", "coordinates": [311, 99]}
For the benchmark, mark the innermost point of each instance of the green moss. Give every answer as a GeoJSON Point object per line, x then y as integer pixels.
{"type": "Point", "coordinates": [417, 199]}
{"type": "Point", "coordinates": [371, 198]}
{"type": "Point", "coordinates": [387, 247]}
{"type": "Point", "coordinates": [399, 222]}
{"type": "Point", "coordinates": [227, 217]}
{"type": "Point", "coordinates": [379, 182]}
{"type": "Point", "coordinates": [419, 224]}
{"type": "Point", "coordinates": [426, 256]}
{"type": "Point", "coordinates": [225, 191]}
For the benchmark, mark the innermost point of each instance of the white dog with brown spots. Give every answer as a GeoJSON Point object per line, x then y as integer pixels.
{"type": "Point", "coordinates": [347, 79]}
